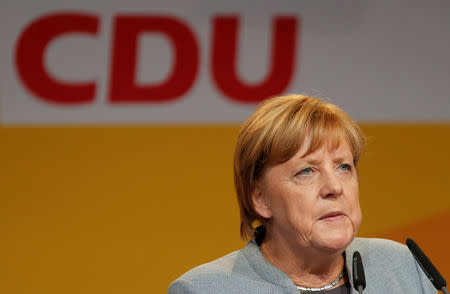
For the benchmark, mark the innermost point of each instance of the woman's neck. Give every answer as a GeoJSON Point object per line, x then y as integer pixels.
{"type": "Point", "coordinates": [307, 267]}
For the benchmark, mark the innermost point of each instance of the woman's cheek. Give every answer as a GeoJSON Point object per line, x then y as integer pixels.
{"type": "Point", "coordinates": [357, 219]}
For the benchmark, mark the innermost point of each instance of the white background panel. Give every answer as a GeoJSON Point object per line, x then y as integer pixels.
{"type": "Point", "coordinates": [379, 60]}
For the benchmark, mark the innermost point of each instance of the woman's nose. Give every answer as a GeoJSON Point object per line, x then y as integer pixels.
{"type": "Point", "coordinates": [331, 185]}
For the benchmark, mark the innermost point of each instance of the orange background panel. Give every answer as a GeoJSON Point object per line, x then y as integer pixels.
{"type": "Point", "coordinates": [433, 235]}
{"type": "Point", "coordinates": [128, 209]}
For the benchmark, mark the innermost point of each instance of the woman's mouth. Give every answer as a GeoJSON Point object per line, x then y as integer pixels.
{"type": "Point", "coordinates": [333, 216]}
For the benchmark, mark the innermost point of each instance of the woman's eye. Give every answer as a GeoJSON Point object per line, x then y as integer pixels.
{"type": "Point", "coordinates": [345, 167]}
{"type": "Point", "coordinates": [305, 172]}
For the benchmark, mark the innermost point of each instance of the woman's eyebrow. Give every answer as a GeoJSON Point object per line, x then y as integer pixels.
{"type": "Point", "coordinates": [342, 158]}
{"type": "Point", "coordinates": [307, 160]}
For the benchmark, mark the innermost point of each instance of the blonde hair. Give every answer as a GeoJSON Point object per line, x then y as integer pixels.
{"type": "Point", "coordinates": [275, 132]}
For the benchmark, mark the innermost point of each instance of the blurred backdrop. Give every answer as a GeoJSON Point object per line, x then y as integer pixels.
{"type": "Point", "coordinates": [118, 124]}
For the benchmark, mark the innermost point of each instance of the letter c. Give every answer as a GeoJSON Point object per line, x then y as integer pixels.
{"type": "Point", "coordinates": [29, 58]}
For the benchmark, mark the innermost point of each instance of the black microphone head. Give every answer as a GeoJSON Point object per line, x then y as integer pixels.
{"type": "Point", "coordinates": [426, 265]}
{"type": "Point", "coordinates": [359, 278]}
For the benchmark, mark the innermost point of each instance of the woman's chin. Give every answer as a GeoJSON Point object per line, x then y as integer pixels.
{"type": "Point", "coordinates": [333, 242]}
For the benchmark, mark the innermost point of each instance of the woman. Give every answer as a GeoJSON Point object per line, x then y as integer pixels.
{"type": "Point", "coordinates": [297, 187]}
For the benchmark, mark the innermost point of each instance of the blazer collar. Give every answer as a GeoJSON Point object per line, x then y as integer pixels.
{"type": "Point", "coordinates": [264, 269]}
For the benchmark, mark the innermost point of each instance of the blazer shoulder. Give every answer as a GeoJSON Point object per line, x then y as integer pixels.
{"type": "Point", "coordinates": [204, 274]}
{"type": "Point", "coordinates": [387, 262]}
{"type": "Point", "coordinates": [382, 255]}
{"type": "Point", "coordinates": [380, 248]}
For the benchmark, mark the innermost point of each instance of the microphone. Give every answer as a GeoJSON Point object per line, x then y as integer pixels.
{"type": "Point", "coordinates": [428, 268]}
{"type": "Point", "coordinates": [359, 279]}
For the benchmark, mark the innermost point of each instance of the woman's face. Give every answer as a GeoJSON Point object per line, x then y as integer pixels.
{"type": "Point", "coordinates": [313, 199]}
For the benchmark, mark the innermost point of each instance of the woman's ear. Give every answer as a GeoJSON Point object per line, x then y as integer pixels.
{"type": "Point", "coordinates": [260, 202]}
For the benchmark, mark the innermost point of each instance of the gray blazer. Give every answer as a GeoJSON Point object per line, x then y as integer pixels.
{"type": "Point", "coordinates": [389, 268]}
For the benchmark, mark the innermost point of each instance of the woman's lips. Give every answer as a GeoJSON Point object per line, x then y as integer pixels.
{"type": "Point", "coordinates": [333, 216]}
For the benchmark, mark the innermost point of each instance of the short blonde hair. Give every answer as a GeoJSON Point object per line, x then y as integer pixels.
{"type": "Point", "coordinates": [275, 132]}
